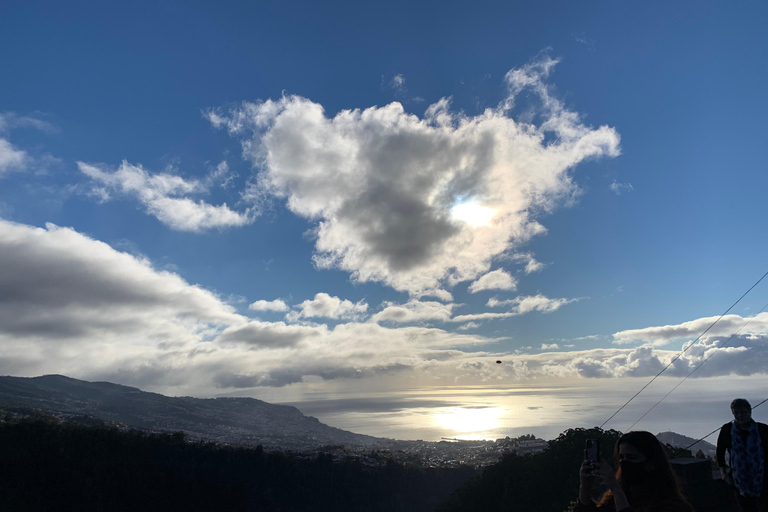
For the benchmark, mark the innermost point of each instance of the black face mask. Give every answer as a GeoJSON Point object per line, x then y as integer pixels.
{"type": "Point", "coordinates": [633, 473]}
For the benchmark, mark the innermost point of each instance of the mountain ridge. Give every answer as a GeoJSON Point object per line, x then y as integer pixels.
{"type": "Point", "coordinates": [683, 441]}
{"type": "Point", "coordinates": [226, 419]}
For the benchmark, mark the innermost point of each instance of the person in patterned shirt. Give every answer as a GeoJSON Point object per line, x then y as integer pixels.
{"type": "Point", "coordinates": [746, 441]}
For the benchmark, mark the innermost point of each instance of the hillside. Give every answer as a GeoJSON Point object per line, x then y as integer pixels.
{"type": "Point", "coordinates": [681, 441]}
{"type": "Point", "coordinates": [228, 420]}
{"type": "Point", "coordinates": [53, 465]}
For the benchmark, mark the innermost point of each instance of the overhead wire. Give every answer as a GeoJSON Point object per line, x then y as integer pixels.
{"type": "Point", "coordinates": [697, 367]}
{"type": "Point", "coordinates": [683, 351]}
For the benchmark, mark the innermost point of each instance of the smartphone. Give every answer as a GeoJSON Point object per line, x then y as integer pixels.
{"type": "Point", "coordinates": [592, 452]}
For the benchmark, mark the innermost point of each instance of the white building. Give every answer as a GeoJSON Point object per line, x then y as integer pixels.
{"type": "Point", "coordinates": [527, 446]}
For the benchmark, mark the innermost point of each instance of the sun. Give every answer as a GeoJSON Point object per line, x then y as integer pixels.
{"type": "Point", "coordinates": [473, 214]}
{"type": "Point", "coordinates": [464, 420]}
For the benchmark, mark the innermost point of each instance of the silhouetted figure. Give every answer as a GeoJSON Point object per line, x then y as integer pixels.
{"type": "Point", "coordinates": [747, 442]}
{"type": "Point", "coordinates": [644, 482]}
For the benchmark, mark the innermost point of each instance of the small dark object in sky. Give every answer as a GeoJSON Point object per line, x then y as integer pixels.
{"type": "Point", "coordinates": [498, 362]}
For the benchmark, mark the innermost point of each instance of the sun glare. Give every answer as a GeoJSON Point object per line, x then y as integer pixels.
{"type": "Point", "coordinates": [473, 214]}
{"type": "Point", "coordinates": [464, 420]}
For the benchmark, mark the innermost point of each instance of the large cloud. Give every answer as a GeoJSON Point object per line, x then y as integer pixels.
{"type": "Point", "coordinates": [57, 283]}
{"type": "Point", "coordinates": [382, 183]}
{"type": "Point", "coordinates": [69, 303]}
{"type": "Point", "coordinates": [166, 196]}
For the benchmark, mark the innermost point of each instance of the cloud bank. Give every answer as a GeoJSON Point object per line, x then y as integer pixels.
{"type": "Point", "coordinates": [726, 326]}
{"type": "Point", "coordinates": [73, 305]}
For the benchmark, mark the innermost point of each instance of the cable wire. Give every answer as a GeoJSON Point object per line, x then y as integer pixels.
{"type": "Point", "coordinates": [697, 367]}
{"type": "Point", "coordinates": [683, 351]}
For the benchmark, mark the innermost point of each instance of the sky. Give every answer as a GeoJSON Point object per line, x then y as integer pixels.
{"type": "Point", "coordinates": [359, 208]}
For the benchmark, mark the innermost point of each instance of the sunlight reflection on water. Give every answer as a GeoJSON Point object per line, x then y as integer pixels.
{"type": "Point", "coordinates": [470, 423]}
{"type": "Point", "coordinates": [432, 414]}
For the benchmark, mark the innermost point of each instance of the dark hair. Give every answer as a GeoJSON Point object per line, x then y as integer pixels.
{"type": "Point", "coordinates": [740, 402]}
{"type": "Point", "coordinates": [664, 481]}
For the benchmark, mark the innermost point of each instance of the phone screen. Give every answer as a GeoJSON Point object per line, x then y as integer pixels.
{"type": "Point", "coordinates": [593, 450]}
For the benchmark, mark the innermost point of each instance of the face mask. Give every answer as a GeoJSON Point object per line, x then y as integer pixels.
{"type": "Point", "coordinates": [633, 473]}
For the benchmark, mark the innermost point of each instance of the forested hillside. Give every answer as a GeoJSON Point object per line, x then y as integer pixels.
{"type": "Point", "coordinates": [50, 465]}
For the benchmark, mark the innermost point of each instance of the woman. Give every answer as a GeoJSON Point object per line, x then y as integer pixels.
{"type": "Point", "coordinates": [644, 482]}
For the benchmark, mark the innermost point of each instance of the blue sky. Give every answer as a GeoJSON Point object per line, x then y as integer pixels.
{"type": "Point", "coordinates": [261, 198]}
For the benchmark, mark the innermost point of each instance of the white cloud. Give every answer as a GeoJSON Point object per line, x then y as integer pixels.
{"type": "Point", "coordinates": [531, 264]}
{"type": "Point", "coordinates": [414, 311]}
{"type": "Point", "coordinates": [327, 306]}
{"type": "Point", "coordinates": [519, 306]}
{"type": "Point", "coordinates": [220, 175]}
{"type": "Point", "coordinates": [495, 280]}
{"type": "Point", "coordinates": [617, 188]}
{"type": "Point", "coordinates": [14, 159]}
{"type": "Point", "coordinates": [11, 121]}
{"type": "Point", "coordinates": [550, 346]}
{"type": "Point", "coordinates": [439, 294]}
{"type": "Point", "coordinates": [480, 316]}
{"type": "Point", "coordinates": [163, 196]}
{"type": "Point", "coordinates": [398, 83]}
{"type": "Point", "coordinates": [468, 326]}
{"type": "Point", "coordinates": [278, 305]}
{"type": "Point", "coordinates": [663, 335]}
{"type": "Point", "coordinates": [539, 303]}
{"type": "Point", "coordinates": [527, 303]}
{"type": "Point", "coordinates": [381, 183]}
{"type": "Point", "coordinates": [11, 158]}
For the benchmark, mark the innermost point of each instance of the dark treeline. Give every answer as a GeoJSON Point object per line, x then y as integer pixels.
{"type": "Point", "coordinates": [52, 465]}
